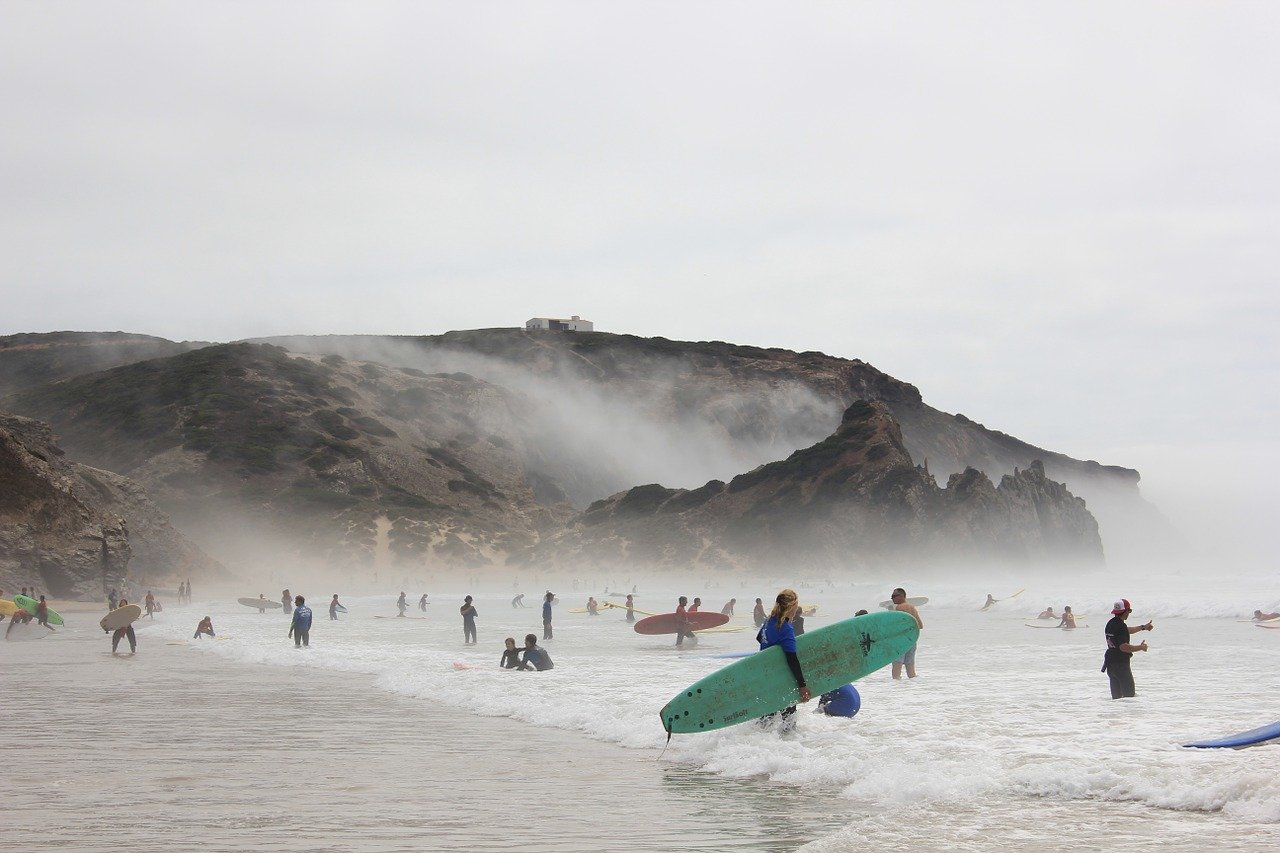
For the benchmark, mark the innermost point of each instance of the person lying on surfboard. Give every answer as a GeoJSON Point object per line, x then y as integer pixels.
{"type": "Point", "coordinates": [778, 630]}
{"type": "Point", "coordinates": [1259, 616]}
{"type": "Point", "coordinates": [1048, 613]}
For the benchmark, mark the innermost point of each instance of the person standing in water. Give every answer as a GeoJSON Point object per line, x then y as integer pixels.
{"type": "Point", "coordinates": [122, 633]}
{"type": "Point", "coordinates": [778, 630]}
{"type": "Point", "coordinates": [333, 607]}
{"type": "Point", "coordinates": [468, 611]}
{"type": "Point", "coordinates": [757, 615]}
{"type": "Point", "coordinates": [684, 628]}
{"type": "Point", "coordinates": [1119, 651]}
{"type": "Point", "coordinates": [286, 602]}
{"type": "Point", "coordinates": [149, 604]}
{"type": "Point", "coordinates": [593, 609]}
{"type": "Point", "coordinates": [300, 627]}
{"type": "Point", "coordinates": [401, 604]}
{"type": "Point", "coordinates": [546, 616]}
{"type": "Point", "coordinates": [205, 627]}
{"type": "Point", "coordinates": [908, 659]}
{"type": "Point", "coordinates": [631, 608]}
{"type": "Point", "coordinates": [42, 614]}
{"type": "Point", "coordinates": [422, 603]}
{"type": "Point", "coordinates": [510, 655]}
{"type": "Point", "coordinates": [696, 606]}
{"type": "Point", "coordinates": [727, 610]}
{"type": "Point", "coordinates": [111, 599]}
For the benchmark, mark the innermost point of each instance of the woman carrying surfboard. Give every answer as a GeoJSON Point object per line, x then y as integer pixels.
{"type": "Point", "coordinates": [778, 630]}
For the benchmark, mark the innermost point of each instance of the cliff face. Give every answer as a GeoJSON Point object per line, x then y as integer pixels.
{"type": "Point", "coordinates": [263, 455]}
{"type": "Point", "coordinates": [75, 531]}
{"type": "Point", "coordinates": [852, 498]}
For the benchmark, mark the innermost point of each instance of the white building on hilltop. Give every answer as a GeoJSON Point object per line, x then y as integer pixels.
{"type": "Point", "coordinates": [552, 324]}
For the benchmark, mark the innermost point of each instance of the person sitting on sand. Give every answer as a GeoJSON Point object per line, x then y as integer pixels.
{"type": "Point", "coordinates": [510, 655]}
{"type": "Point", "coordinates": [1259, 616]}
{"type": "Point", "coordinates": [205, 627]}
{"type": "Point", "coordinates": [1068, 618]}
{"type": "Point", "coordinates": [1048, 614]}
{"type": "Point", "coordinates": [535, 657]}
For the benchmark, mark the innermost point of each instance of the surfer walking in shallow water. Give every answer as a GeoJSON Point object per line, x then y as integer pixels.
{"type": "Point", "coordinates": [908, 659]}
{"type": "Point", "coordinates": [468, 611]}
{"type": "Point", "coordinates": [778, 630]}
{"type": "Point", "coordinates": [546, 615]}
{"type": "Point", "coordinates": [1116, 662]}
{"type": "Point", "coordinates": [401, 605]}
{"type": "Point", "coordinates": [300, 627]}
{"type": "Point", "coordinates": [631, 608]}
{"type": "Point", "coordinates": [123, 633]}
{"type": "Point", "coordinates": [684, 628]}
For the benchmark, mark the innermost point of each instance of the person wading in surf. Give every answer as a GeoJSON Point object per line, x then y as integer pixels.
{"type": "Point", "coordinates": [908, 658]}
{"type": "Point", "coordinates": [468, 611]}
{"type": "Point", "coordinates": [122, 633]}
{"type": "Point", "coordinates": [778, 630]}
{"type": "Point", "coordinates": [1119, 651]}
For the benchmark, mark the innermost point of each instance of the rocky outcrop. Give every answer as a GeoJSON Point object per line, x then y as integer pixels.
{"type": "Point", "coordinates": [850, 499]}
{"type": "Point", "coordinates": [75, 531]}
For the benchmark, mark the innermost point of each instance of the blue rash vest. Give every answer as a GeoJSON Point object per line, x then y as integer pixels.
{"type": "Point", "coordinates": [302, 618]}
{"type": "Point", "coordinates": [546, 611]}
{"type": "Point", "coordinates": [773, 634]}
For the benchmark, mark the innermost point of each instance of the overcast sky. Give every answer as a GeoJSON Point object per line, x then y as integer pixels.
{"type": "Point", "coordinates": [1059, 219]}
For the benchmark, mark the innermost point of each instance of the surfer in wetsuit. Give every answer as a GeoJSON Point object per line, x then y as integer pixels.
{"type": "Point", "coordinates": [122, 633]}
{"type": "Point", "coordinates": [535, 657]}
{"type": "Point", "coordinates": [546, 616]}
{"type": "Point", "coordinates": [300, 627]}
{"type": "Point", "coordinates": [631, 608]}
{"type": "Point", "coordinates": [797, 621]}
{"type": "Point", "coordinates": [510, 655]}
{"type": "Point", "coordinates": [727, 610]}
{"type": "Point", "coordinates": [468, 611]}
{"type": "Point", "coordinates": [778, 630]}
{"type": "Point", "coordinates": [1068, 618]}
{"type": "Point", "coordinates": [757, 615]}
{"type": "Point", "coordinates": [1119, 651]}
{"type": "Point", "coordinates": [422, 603]}
{"type": "Point", "coordinates": [205, 627]}
{"type": "Point", "coordinates": [684, 628]}
{"type": "Point", "coordinates": [401, 604]}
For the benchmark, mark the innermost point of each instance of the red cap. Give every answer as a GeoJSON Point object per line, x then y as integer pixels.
{"type": "Point", "coordinates": [1120, 607]}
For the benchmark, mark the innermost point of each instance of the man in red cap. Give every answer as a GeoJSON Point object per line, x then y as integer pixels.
{"type": "Point", "coordinates": [1120, 650]}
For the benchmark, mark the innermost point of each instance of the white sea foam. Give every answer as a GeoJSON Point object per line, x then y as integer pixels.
{"type": "Point", "coordinates": [1001, 716]}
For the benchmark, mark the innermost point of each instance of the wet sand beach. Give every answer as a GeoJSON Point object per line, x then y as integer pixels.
{"type": "Point", "coordinates": [176, 750]}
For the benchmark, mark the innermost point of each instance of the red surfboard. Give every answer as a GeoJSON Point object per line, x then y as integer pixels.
{"type": "Point", "coordinates": [665, 623]}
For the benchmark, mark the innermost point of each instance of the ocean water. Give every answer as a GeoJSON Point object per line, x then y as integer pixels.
{"type": "Point", "coordinates": [1008, 733]}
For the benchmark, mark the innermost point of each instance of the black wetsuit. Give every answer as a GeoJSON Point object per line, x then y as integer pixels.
{"type": "Point", "coordinates": [122, 633]}
{"type": "Point", "coordinates": [510, 659]}
{"type": "Point", "coordinates": [469, 624]}
{"type": "Point", "coordinates": [537, 658]}
{"type": "Point", "coordinates": [1116, 663]}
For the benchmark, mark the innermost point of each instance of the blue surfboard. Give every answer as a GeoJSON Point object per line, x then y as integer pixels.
{"type": "Point", "coordinates": [1253, 737]}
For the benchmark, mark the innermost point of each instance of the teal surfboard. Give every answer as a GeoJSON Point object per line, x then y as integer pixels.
{"type": "Point", "coordinates": [762, 684]}
{"type": "Point", "coordinates": [29, 604]}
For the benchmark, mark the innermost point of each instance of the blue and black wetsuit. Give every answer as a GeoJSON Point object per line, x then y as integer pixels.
{"type": "Point", "coordinates": [301, 625]}
{"type": "Point", "coordinates": [774, 634]}
{"type": "Point", "coordinates": [537, 658]}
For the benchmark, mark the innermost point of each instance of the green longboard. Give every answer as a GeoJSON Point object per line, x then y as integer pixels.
{"type": "Point", "coordinates": [29, 605]}
{"type": "Point", "coordinates": [762, 684]}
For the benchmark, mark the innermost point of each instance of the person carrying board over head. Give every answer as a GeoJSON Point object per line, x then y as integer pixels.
{"type": "Point", "coordinates": [778, 630]}
{"type": "Point", "coordinates": [468, 611]}
{"type": "Point", "coordinates": [300, 627]}
{"type": "Point", "coordinates": [401, 605]}
{"type": "Point", "coordinates": [1116, 662]}
{"type": "Point", "coordinates": [908, 659]}
{"type": "Point", "coordinates": [205, 627]}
